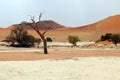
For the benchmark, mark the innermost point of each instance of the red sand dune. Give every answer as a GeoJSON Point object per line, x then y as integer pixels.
{"type": "Point", "coordinates": [85, 33]}
{"type": "Point", "coordinates": [109, 25]}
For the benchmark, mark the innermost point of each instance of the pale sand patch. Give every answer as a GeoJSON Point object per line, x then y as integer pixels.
{"type": "Point", "coordinates": [84, 68]}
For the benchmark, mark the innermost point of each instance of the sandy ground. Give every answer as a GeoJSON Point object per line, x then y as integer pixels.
{"type": "Point", "coordinates": [83, 68]}
{"type": "Point", "coordinates": [60, 64]}
{"type": "Point", "coordinates": [21, 54]}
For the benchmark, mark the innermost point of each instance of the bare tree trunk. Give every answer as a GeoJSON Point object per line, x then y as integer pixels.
{"type": "Point", "coordinates": [44, 41]}
{"type": "Point", "coordinates": [42, 35]}
{"type": "Point", "coordinates": [45, 46]}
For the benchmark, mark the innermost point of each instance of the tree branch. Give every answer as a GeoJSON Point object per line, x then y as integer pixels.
{"type": "Point", "coordinates": [40, 16]}
{"type": "Point", "coordinates": [33, 22]}
{"type": "Point", "coordinates": [47, 30]}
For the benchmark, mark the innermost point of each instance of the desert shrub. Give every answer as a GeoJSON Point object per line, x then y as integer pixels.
{"type": "Point", "coordinates": [48, 39]}
{"type": "Point", "coordinates": [29, 41]}
{"type": "Point", "coordinates": [20, 38]}
{"type": "Point", "coordinates": [37, 40]}
{"type": "Point", "coordinates": [107, 36]}
{"type": "Point", "coordinates": [115, 38]}
{"type": "Point", "coordinates": [73, 40]}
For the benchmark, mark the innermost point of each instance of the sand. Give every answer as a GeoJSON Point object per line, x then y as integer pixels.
{"type": "Point", "coordinates": [83, 68]}
{"type": "Point", "coordinates": [57, 54]}
{"type": "Point", "coordinates": [62, 63]}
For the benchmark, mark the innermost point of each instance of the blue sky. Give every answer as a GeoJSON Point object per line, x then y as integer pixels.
{"type": "Point", "coordinates": [66, 12]}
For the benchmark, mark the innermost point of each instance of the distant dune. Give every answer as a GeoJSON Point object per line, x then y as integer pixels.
{"type": "Point", "coordinates": [43, 25]}
{"type": "Point", "coordinates": [109, 25]}
{"type": "Point", "coordinates": [85, 33]}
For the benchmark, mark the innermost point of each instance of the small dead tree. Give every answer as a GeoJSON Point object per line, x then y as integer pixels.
{"type": "Point", "coordinates": [34, 26]}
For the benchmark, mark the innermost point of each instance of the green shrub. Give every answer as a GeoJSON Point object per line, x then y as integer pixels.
{"type": "Point", "coordinates": [20, 38]}
{"type": "Point", "coordinates": [73, 40]}
{"type": "Point", "coordinates": [115, 38]}
{"type": "Point", "coordinates": [106, 37]}
{"type": "Point", "coordinates": [48, 39]}
{"type": "Point", "coordinates": [37, 41]}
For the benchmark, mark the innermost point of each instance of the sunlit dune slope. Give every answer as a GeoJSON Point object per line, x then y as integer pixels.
{"type": "Point", "coordinates": [90, 32]}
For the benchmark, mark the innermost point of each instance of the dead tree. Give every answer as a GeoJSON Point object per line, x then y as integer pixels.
{"type": "Point", "coordinates": [35, 27]}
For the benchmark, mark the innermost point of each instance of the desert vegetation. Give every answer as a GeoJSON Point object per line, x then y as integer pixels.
{"type": "Point", "coordinates": [48, 39]}
{"type": "Point", "coordinates": [73, 40]}
{"type": "Point", "coordinates": [20, 38]}
{"type": "Point", "coordinates": [115, 38]}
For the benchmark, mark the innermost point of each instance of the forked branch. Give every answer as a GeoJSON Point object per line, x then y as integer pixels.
{"type": "Point", "coordinates": [47, 30]}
